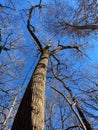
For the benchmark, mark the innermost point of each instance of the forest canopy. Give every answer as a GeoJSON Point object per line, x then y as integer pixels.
{"type": "Point", "coordinates": [66, 33]}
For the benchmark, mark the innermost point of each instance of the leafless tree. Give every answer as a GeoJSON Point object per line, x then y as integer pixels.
{"type": "Point", "coordinates": [67, 31]}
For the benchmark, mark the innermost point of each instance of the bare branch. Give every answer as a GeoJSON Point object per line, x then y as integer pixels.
{"type": "Point", "coordinates": [3, 47]}
{"type": "Point", "coordinates": [9, 114]}
{"type": "Point", "coordinates": [71, 106]}
{"type": "Point", "coordinates": [56, 58]}
{"type": "Point", "coordinates": [71, 127]}
{"type": "Point", "coordinates": [2, 6]}
{"type": "Point", "coordinates": [91, 27]}
{"type": "Point", "coordinates": [61, 47]}
{"type": "Point", "coordinates": [29, 26]}
{"type": "Point", "coordinates": [86, 123]}
{"type": "Point", "coordinates": [40, 2]}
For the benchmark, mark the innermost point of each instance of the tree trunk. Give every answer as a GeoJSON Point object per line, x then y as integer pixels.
{"type": "Point", "coordinates": [30, 115]}
{"type": "Point", "coordinates": [85, 121]}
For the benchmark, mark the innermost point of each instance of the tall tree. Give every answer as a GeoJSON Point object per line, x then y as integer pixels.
{"type": "Point", "coordinates": [71, 32]}
{"type": "Point", "coordinates": [30, 115]}
{"type": "Point", "coordinates": [32, 105]}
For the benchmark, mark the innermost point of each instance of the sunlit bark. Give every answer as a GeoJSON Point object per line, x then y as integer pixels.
{"type": "Point", "coordinates": [30, 115]}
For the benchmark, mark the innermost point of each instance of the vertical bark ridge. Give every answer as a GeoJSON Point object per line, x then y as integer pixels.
{"type": "Point", "coordinates": [30, 114]}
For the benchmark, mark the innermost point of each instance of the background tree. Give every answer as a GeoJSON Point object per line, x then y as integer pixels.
{"type": "Point", "coordinates": [11, 62]}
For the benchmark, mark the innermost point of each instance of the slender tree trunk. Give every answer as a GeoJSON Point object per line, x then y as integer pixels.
{"type": "Point", "coordinates": [30, 115]}
{"type": "Point", "coordinates": [85, 121]}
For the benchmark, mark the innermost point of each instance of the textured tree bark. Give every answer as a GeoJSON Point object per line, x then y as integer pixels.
{"type": "Point", "coordinates": [30, 115]}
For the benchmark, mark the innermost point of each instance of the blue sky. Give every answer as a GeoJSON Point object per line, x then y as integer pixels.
{"type": "Point", "coordinates": [31, 60]}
